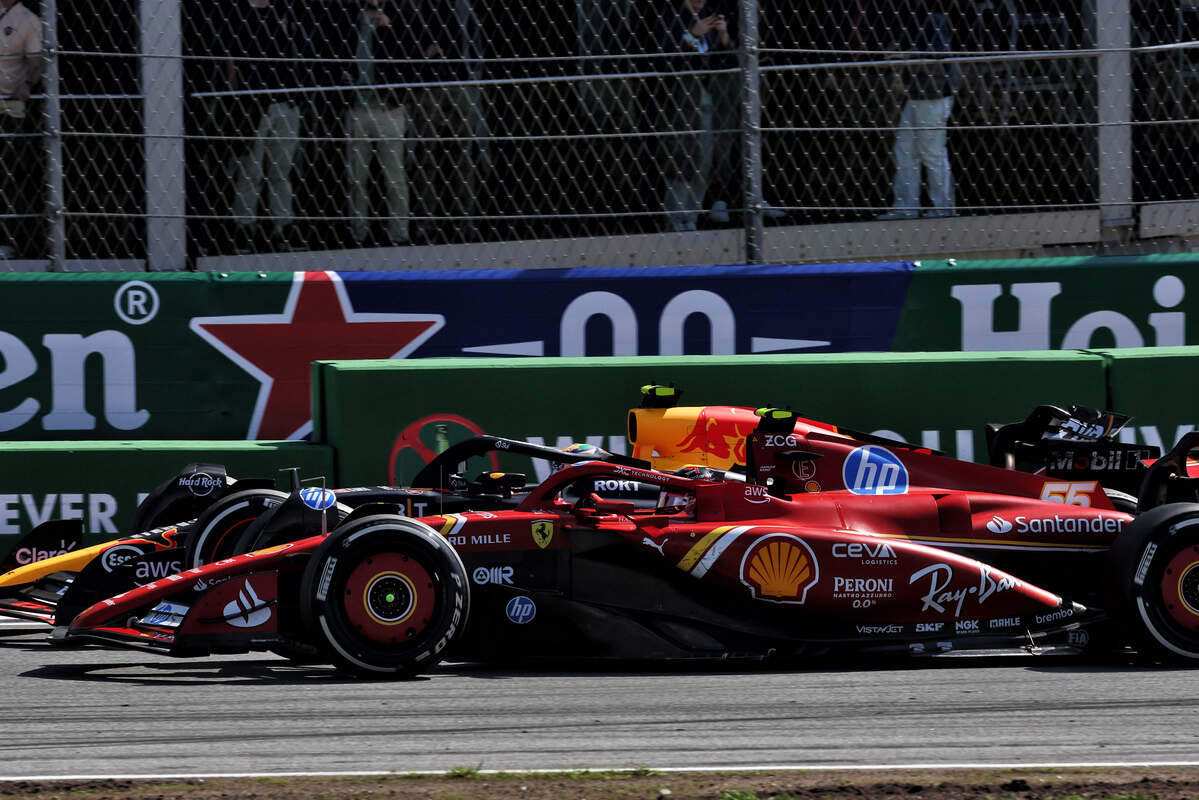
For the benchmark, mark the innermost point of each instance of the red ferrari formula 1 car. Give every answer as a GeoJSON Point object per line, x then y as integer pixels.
{"type": "Point", "coordinates": [716, 568]}
{"type": "Point", "coordinates": [237, 516]}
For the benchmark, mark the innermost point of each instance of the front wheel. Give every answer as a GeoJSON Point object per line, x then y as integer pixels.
{"type": "Point", "coordinates": [1155, 563]}
{"type": "Point", "coordinates": [385, 595]}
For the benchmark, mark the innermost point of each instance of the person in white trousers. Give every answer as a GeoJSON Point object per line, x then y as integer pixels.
{"type": "Point", "coordinates": [921, 140]}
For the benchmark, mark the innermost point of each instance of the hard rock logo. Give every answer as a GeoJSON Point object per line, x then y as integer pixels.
{"type": "Point", "coordinates": [780, 568]}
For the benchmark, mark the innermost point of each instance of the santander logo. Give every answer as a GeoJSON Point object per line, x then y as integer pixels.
{"type": "Point", "coordinates": [247, 611]}
{"type": "Point", "coordinates": [999, 525]}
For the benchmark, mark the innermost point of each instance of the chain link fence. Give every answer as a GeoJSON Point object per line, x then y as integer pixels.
{"type": "Point", "coordinates": [243, 134]}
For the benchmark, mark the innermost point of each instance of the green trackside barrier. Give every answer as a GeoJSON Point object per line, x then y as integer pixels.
{"type": "Point", "coordinates": [102, 482]}
{"type": "Point", "coordinates": [1159, 386]}
{"type": "Point", "coordinates": [1051, 304]}
{"type": "Point", "coordinates": [381, 415]}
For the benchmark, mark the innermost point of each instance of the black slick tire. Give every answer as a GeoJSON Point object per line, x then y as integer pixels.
{"type": "Point", "coordinates": [384, 596]}
{"type": "Point", "coordinates": [1155, 574]}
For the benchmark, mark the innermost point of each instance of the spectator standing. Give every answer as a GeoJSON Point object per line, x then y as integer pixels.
{"type": "Point", "coordinates": [261, 44]}
{"type": "Point", "coordinates": [451, 46]}
{"type": "Point", "coordinates": [921, 136]}
{"type": "Point", "coordinates": [20, 71]}
{"type": "Point", "coordinates": [385, 52]}
{"type": "Point", "coordinates": [705, 163]}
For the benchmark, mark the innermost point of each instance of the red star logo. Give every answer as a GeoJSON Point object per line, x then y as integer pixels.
{"type": "Point", "coordinates": [317, 323]}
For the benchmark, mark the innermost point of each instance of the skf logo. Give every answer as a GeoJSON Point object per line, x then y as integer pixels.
{"type": "Point", "coordinates": [999, 525]}
{"type": "Point", "coordinates": [543, 533]}
{"type": "Point", "coordinates": [780, 568]}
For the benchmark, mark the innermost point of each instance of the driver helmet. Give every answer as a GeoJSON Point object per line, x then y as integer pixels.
{"type": "Point", "coordinates": [583, 449]}
{"type": "Point", "coordinates": [676, 502]}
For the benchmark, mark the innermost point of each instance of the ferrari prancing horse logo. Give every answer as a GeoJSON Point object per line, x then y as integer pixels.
{"type": "Point", "coordinates": [543, 532]}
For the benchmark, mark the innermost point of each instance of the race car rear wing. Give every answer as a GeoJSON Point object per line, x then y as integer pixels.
{"type": "Point", "coordinates": [1168, 479]}
{"type": "Point", "coordinates": [1076, 443]}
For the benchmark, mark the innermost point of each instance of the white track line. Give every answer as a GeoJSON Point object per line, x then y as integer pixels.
{"type": "Point", "coordinates": [757, 768]}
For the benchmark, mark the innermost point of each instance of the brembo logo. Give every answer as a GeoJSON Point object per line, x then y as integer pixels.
{"type": "Point", "coordinates": [200, 484]}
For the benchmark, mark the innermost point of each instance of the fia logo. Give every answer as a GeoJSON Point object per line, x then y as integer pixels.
{"type": "Point", "coordinates": [874, 470]}
{"type": "Point", "coordinates": [521, 610]}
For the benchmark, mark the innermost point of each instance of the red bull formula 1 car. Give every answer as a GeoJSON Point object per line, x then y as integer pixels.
{"type": "Point", "coordinates": [716, 568]}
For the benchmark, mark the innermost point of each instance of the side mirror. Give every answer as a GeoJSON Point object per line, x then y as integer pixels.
{"type": "Point", "coordinates": [621, 507]}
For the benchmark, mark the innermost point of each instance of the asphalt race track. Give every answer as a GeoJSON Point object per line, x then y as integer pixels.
{"type": "Point", "coordinates": [100, 712]}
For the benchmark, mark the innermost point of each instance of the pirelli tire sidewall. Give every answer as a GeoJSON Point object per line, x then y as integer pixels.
{"type": "Point", "coordinates": [385, 596]}
{"type": "Point", "coordinates": [216, 531]}
{"type": "Point", "coordinates": [1155, 577]}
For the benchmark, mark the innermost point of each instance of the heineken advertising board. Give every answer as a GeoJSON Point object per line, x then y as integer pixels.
{"type": "Point", "coordinates": [386, 418]}
{"type": "Point", "coordinates": [101, 483]}
{"type": "Point", "coordinates": [227, 356]}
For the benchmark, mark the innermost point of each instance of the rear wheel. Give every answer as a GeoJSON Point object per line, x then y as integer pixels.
{"type": "Point", "coordinates": [1156, 564]}
{"type": "Point", "coordinates": [385, 595]}
{"type": "Point", "coordinates": [1122, 501]}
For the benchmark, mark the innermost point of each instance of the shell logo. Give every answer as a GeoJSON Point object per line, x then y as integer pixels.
{"type": "Point", "coordinates": [780, 568]}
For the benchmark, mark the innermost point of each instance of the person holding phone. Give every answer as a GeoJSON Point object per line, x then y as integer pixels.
{"type": "Point", "coordinates": [696, 33]}
{"type": "Point", "coordinates": [20, 71]}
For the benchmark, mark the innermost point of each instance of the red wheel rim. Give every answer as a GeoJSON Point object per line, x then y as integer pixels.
{"type": "Point", "coordinates": [220, 540]}
{"type": "Point", "coordinates": [389, 598]}
{"type": "Point", "coordinates": [1180, 588]}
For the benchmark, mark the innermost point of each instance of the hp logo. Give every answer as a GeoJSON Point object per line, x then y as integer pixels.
{"type": "Point", "coordinates": [874, 470]}
{"type": "Point", "coordinates": [521, 610]}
